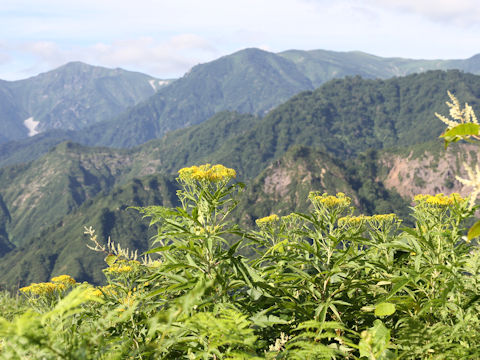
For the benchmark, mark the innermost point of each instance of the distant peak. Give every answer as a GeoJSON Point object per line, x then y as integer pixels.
{"type": "Point", "coordinates": [251, 51]}
{"type": "Point", "coordinates": [474, 57]}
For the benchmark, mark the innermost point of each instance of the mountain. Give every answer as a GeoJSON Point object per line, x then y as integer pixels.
{"type": "Point", "coordinates": [249, 81]}
{"type": "Point", "coordinates": [71, 97]}
{"type": "Point", "coordinates": [252, 81]}
{"type": "Point", "coordinates": [321, 66]}
{"type": "Point", "coordinates": [96, 100]}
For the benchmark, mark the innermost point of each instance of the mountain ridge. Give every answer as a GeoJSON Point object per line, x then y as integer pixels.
{"type": "Point", "coordinates": [248, 81]}
{"type": "Point", "coordinates": [70, 97]}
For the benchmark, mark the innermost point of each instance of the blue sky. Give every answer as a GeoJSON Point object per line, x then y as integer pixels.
{"type": "Point", "coordinates": [165, 38]}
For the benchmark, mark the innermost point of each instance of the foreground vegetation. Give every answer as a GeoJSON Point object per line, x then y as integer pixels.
{"type": "Point", "coordinates": [322, 285]}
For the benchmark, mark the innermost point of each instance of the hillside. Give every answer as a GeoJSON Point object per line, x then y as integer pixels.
{"type": "Point", "coordinates": [41, 192]}
{"type": "Point", "coordinates": [427, 168]}
{"type": "Point", "coordinates": [61, 247]}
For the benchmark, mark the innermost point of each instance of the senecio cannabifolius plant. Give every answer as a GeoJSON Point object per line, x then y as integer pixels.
{"type": "Point", "coordinates": [327, 284]}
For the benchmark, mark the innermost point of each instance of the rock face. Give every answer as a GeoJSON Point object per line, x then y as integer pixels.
{"type": "Point", "coordinates": [430, 172]}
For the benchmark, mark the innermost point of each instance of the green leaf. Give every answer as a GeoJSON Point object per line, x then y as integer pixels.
{"type": "Point", "coordinates": [158, 249]}
{"type": "Point", "coordinates": [262, 320]}
{"type": "Point", "coordinates": [110, 259]}
{"type": "Point", "coordinates": [375, 341]}
{"type": "Point", "coordinates": [462, 130]}
{"type": "Point", "coordinates": [384, 309]}
{"type": "Point", "coordinates": [474, 231]}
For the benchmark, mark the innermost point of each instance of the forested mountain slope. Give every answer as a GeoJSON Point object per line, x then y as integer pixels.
{"type": "Point", "coordinates": [348, 116]}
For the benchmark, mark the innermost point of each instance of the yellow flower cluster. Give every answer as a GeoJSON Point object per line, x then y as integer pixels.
{"type": "Point", "coordinates": [439, 200]}
{"type": "Point", "coordinates": [103, 290]}
{"type": "Point", "coordinates": [209, 229]}
{"type": "Point", "coordinates": [129, 300]}
{"type": "Point", "coordinates": [58, 283]}
{"type": "Point", "coordinates": [44, 288]}
{"type": "Point", "coordinates": [266, 220]}
{"type": "Point", "coordinates": [94, 292]}
{"type": "Point", "coordinates": [330, 201]}
{"type": "Point", "coordinates": [207, 172]}
{"type": "Point", "coordinates": [122, 266]}
{"type": "Point", "coordinates": [64, 279]}
{"type": "Point", "coordinates": [384, 217]}
{"type": "Point", "coordinates": [119, 268]}
{"type": "Point", "coordinates": [353, 220]}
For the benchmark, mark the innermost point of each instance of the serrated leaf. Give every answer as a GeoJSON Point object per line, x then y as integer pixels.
{"type": "Point", "coordinates": [384, 309]}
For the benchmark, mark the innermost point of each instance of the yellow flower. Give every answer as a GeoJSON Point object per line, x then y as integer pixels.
{"type": "Point", "coordinates": [438, 200]}
{"type": "Point", "coordinates": [383, 218]}
{"type": "Point", "coordinates": [330, 201]}
{"type": "Point", "coordinates": [353, 220]}
{"type": "Point", "coordinates": [119, 269]}
{"type": "Point", "coordinates": [95, 292]}
{"type": "Point", "coordinates": [207, 172]}
{"type": "Point", "coordinates": [42, 288]}
{"type": "Point", "coordinates": [129, 300]}
{"type": "Point", "coordinates": [108, 290]}
{"type": "Point", "coordinates": [266, 220]}
{"type": "Point", "coordinates": [63, 279]}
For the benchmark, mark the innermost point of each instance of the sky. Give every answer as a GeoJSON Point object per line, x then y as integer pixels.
{"type": "Point", "coordinates": [165, 38]}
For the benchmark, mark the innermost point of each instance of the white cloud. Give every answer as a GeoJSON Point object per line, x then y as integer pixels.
{"type": "Point", "coordinates": [165, 38]}
{"type": "Point", "coordinates": [4, 55]}
{"type": "Point", "coordinates": [170, 58]}
{"type": "Point", "coordinates": [457, 12]}
{"type": "Point", "coordinates": [174, 56]}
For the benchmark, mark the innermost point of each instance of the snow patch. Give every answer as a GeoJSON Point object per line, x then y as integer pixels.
{"type": "Point", "coordinates": [152, 84]}
{"type": "Point", "coordinates": [159, 83]}
{"type": "Point", "coordinates": [31, 125]}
